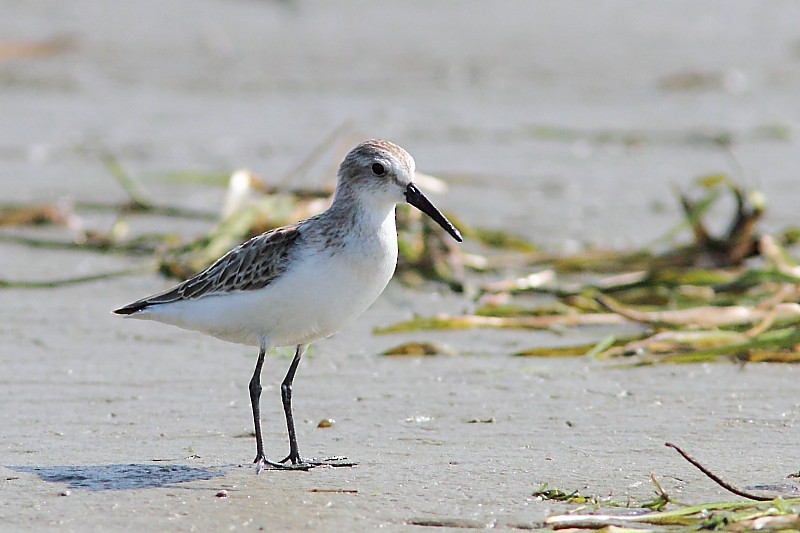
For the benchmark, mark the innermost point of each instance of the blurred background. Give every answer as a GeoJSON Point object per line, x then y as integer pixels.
{"type": "Point", "coordinates": [572, 124]}
{"type": "Point", "coordinates": [562, 121]}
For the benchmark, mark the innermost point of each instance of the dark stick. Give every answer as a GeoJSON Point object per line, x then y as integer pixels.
{"type": "Point", "coordinates": [725, 485]}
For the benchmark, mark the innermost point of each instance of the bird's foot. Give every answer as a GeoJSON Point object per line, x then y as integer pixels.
{"type": "Point", "coordinates": [262, 463]}
{"type": "Point", "coordinates": [335, 461]}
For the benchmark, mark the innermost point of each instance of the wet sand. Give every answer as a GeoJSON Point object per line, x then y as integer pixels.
{"type": "Point", "coordinates": [212, 86]}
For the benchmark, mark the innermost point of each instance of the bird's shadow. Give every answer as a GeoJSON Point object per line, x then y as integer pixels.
{"type": "Point", "coordinates": [119, 476]}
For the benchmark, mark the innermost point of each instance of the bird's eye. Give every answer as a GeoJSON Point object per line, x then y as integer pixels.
{"type": "Point", "coordinates": [378, 169]}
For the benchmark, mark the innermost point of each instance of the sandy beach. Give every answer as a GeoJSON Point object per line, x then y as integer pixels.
{"type": "Point", "coordinates": [565, 123]}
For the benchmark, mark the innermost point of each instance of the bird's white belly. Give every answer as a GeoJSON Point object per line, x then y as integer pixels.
{"type": "Point", "coordinates": [319, 298]}
{"type": "Point", "coordinates": [316, 297]}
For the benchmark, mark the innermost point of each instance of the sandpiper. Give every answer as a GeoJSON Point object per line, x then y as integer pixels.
{"type": "Point", "coordinates": [302, 282]}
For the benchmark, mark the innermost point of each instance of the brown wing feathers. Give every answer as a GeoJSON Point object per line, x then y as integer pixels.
{"type": "Point", "coordinates": [250, 266]}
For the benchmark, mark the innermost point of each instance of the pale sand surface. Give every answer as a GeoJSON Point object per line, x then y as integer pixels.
{"type": "Point", "coordinates": [215, 85]}
{"type": "Point", "coordinates": [93, 391]}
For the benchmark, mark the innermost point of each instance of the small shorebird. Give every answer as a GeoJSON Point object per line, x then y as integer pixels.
{"type": "Point", "coordinates": [302, 282]}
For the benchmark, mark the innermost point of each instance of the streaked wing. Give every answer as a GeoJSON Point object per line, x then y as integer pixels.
{"type": "Point", "coordinates": [252, 265]}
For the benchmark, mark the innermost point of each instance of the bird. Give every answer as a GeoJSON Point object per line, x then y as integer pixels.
{"type": "Point", "coordinates": [302, 282]}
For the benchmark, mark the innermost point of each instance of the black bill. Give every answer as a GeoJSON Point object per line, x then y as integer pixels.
{"type": "Point", "coordinates": [415, 197]}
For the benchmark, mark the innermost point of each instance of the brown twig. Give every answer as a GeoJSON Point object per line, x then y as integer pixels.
{"type": "Point", "coordinates": [719, 481]}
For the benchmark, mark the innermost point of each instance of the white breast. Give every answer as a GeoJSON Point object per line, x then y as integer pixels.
{"type": "Point", "coordinates": [325, 289]}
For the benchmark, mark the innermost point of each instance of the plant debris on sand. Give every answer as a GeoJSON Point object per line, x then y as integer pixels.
{"type": "Point", "coordinates": [764, 512]}
{"type": "Point", "coordinates": [733, 295]}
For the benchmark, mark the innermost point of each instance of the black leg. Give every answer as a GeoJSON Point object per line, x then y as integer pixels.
{"type": "Point", "coordinates": [255, 399]}
{"type": "Point", "coordinates": [296, 463]}
{"type": "Point", "coordinates": [286, 396]}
